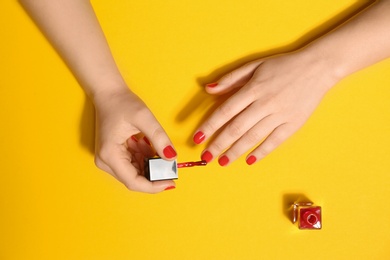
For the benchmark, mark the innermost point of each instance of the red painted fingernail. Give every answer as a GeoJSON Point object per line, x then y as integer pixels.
{"type": "Point", "coordinates": [146, 140]}
{"type": "Point", "coordinates": [169, 152]}
{"type": "Point", "coordinates": [207, 156]}
{"type": "Point", "coordinates": [251, 160]}
{"type": "Point", "coordinates": [170, 188]}
{"type": "Point", "coordinates": [223, 160]}
{"type": "Point", "coordinates": [134, 138]}
{"type": "Point", "coordinates": [199, 137]}
{"type": "Point", "coordinates": [212, 85]}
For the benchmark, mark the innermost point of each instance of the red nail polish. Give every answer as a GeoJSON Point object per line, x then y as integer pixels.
{"type": "Point", "coordinates": [207, 156]}
{"type": "Point", "coordinates": [199, 137]}
{"type": "Point", "coordinates": [307, 215]}
{"type": "Point", "coordinates": [191, 164]}
{"type": "Point", "coordinates": [169, 152]}
{"type": "Point", "coordinates": [212, 85]}
{"type": "Point", "coordinates": [170, 188]}
{"type": "Point", "coordinates": [134, 138]}
{"type": "Point", "coordinates": [146, 140]}
{"type": "Point", "coordinates": [251, 160]}
{"type": "Point", "coordinates": [223, 160]}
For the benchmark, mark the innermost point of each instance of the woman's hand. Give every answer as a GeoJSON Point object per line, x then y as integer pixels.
{"type": "Point", "coordinates": [277, 95]}
{"type": "Point", "coordinates": [124, 126]}
{"type": "Point", "coordinates": [275, 98]}
{"type": "Point", "coordinates": [74, 30]}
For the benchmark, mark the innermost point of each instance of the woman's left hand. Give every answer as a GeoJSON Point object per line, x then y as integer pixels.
{"type": "Point", "coordinates": [275, 98]}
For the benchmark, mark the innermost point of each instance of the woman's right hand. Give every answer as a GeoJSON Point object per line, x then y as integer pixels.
{"type": "Point", "coordinates": [124, 126]}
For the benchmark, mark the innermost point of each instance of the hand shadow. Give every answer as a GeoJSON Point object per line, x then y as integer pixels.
{"type": "Point", "coordinates": [201, 98]}
{"type": "Point", "coordinates": [87, 126]}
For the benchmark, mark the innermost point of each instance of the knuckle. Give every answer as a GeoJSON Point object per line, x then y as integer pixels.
{"type": "Point", "coordinates": [248, 65]}
{"type": "Point", "coordinates": [233, 153]}
{"type": "Point", "coordinates": [276, 139]}
{"type": "Point", "coordinates": [253, 137]}
{"type": "Point", "coordinates": [158, 133]}
{"type": "Point", "coordinates": [235, 129]}
{"type": "Point", "coordinates": [253, 64]}
{"type": "Point", "coordinates": [140, 113]}
{"type": "Point", "coordinates": [228, 77]}
{"type": "Point", "coordinates": [263, 151]}
{"type": "Point", "coordinates": [226, 110]}
{"type": "Point", "coordinates": [252, 90]}
{"type": "Point", "coordinates": [279, 137]}
{"type": "Point", "coordinates": [103, 154]}
{"type": "Point", "coordinates": [218, 147]}
{"type": "Point", "coordinates": [272, 142]}
{"type": "Point", "coordinates": [129, 185]}
{"type": "Point", "coordinates": [99, 163]}
{"type": "Point", "coordinates": [209, 126]}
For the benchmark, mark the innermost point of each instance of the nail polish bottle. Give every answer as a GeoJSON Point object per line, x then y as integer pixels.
{"type": "Point", "coordinates": [307, 215]}
{"type": "Point", "coordinates": [158, 169]}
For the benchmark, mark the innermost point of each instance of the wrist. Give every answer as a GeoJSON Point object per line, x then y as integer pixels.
{"type": "Point", "coordinates": [328, 61]}
{"type": "Point", "coordinates": [109, 92]}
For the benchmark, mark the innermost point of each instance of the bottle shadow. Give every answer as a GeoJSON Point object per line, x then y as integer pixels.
{"type": "Point", "coordinates": [288, 201]}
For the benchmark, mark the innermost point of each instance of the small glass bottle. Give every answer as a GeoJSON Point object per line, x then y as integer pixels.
{"type": "Point", "coordinates": [307, 215]}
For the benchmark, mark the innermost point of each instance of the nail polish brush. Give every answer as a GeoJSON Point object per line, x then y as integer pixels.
{"type": "Point", "coordinates": [157, 169]}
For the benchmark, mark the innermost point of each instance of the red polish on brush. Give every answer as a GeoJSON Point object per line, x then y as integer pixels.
{"type": "Point", "coordinates": [191, 164]}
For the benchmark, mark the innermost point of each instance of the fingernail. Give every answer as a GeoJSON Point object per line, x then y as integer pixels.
{"type": "Point", "coordinates": [251, 160]}
{"type": "Point", "coordinates": [212, 85]}
{"type": "Point", "coordinates": [223, 160]}
{"type": "Point", "coordinates": [207, 156]}
{"type": "Point", "coordinates": [146, 140]}
{"type": "Point", "coordinates": [199, 137]}
{"type": "Point", "coordinates": [169, 152]}
{"type": "Point", "coordinates": [134, 138]}
{"type": "Point", "coordinates": [170, 188]}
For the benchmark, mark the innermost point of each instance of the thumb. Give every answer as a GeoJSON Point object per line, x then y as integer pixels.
{"type": "Point", "coordinates": [158, 137]}
{"type": "Point", "coordinates": [234, 79]}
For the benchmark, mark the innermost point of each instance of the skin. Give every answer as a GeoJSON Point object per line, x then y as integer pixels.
{"type": "Point", "coordinates": [74, 31]}
{"type": "Point", "coordinates": [277, 95]}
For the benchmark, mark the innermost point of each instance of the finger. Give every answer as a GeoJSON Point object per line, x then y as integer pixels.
{"type": "Point", "coordinates": [276, 138]}
{"type": "Point", "coordinates": [236, 78]}
{"type": "Point", "coordinates": [236, 129]}
{"type": "Point", "coordinates": [140, 145]}
{"type": "Point", "coordinates": [157, 136]}
{"type": "Point", "coordinates": [130, 177]}
{"type": "Point", "coordinates": [250, 139]}
{"type": "Point", "coordinates": [132, 143]}
{"type": "Point", "coordinates": [223, 114]}
{"type": "Point", "coordinates": [146, 147]}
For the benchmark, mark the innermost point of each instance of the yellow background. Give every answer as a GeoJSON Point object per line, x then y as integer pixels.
{"type": "Point", "coordinates": [55, 204]}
